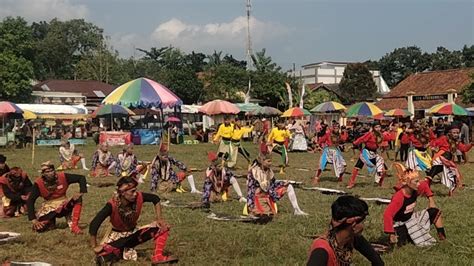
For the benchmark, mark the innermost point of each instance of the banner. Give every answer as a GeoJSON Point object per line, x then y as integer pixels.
{"type": "Point", "coordinates": [113, 138]}
{"type": "Point", "coordinates": [57, 142]}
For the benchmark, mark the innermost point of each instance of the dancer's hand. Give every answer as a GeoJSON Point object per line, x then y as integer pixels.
{"type": "Point", "coordinates": [76, 196]}
{"type": "Point", "coordinates": [97, 249]}
{"type": "Point", "coordinates": [393, 238]}
{"type": "Point", "coordinates": [37, 225]}
{"type": "Point", "coordinates": [162, 224]}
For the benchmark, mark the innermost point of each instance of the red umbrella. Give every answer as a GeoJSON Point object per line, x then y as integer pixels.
{"type": "Point", "coordinates": [173, 119]}
{"type": "Point", "coordinates": [219, 107]}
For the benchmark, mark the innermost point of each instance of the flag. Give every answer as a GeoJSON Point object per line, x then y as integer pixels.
{"type": "Point", "coordinates": [302, 95]}
{"type": "Point", "coordinates": [290, 97]}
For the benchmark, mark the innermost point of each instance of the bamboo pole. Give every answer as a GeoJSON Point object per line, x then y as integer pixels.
{"type": "Point", "coordinates": [33, 147]}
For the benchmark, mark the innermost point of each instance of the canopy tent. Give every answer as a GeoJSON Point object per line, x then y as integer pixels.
{"type": "Point", "coordinates": [40, 109]}
{"type": "Point", "coordinates": [248, 107]}
{"type": "Point", "coordinates": [185, 109]}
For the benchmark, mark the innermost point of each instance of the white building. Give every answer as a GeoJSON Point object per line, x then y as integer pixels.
{"type": "Point", "coordinates": [328, 72]}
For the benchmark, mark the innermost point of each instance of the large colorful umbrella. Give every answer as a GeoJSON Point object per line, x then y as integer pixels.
{"type": "Point", "coordinates": [397, 112]}
{"type": "Point", "coordinates": [112, 109]}
{"type": "Point", "coordinates": [328, 107]}
{"type": "Point", "coordinates": [219, 107]}
{"type": "Point", "coordinates": [9, 109]}
{"type": "Point", "coordinates": [448, 109]}
{"type": "Point", "coordinates": [266, 111]}
{"type": "Point", "coordinates": [363, 109]}
{"type": "Point", "coordinates": [295, 112]}
{"type": "Point", "coordinates": [143, 93]}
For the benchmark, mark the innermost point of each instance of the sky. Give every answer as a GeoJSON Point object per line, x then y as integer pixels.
{"type": "Point", "coordinates": [292, 32]}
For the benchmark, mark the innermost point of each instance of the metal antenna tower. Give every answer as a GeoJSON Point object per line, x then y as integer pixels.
{"type": "Point", "coordinates": [249, 51]}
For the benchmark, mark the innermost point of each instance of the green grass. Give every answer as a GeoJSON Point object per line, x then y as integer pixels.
{"type": "Point", "coordinates": [200, 241]}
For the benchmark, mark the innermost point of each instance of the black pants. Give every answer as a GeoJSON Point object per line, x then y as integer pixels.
{"type": "Point", "coordinates": [404, 152]}
{"type": "Point", "coordinates": [131, 241]}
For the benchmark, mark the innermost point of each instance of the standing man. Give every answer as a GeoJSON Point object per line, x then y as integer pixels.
{"type": "Point", "coordinates": [124, 210]}
{"type": "Point", "coordinates": [276, 143]}
{"type": "Point", "coordinates": [336, 246]}
{"type": "Point", "coordinates": [52, 187]}
{"type": "Point", "coordinates": [223, 137]}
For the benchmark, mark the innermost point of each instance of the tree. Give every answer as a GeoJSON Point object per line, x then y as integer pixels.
{"type": "Point", "coordinates": [468, 56]}
{"type": "Point", "coordinates": [16, 74]}
{"type": "Point", "coordinates": [357, 83]}
{"type": "Point", "coordinates": [16, 37]}
{"type": "Point", "coordinates": [402, 62]}
{"type": "Point", "coordinates": [444, 59]}
{"type": "Point", "coordinates": [467, 94]}
{"type": "Point", "coordinates": [225, 81]}
{"type": "Point", "coordinates": [268, 81]}
{"type": "Point", "coordinates": [61, 45]}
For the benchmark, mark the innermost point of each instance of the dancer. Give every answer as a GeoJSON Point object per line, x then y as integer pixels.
{"type": "Point", "coordinates": [263, 190]}
{"type": "Point", "coordinates": [418, 157]}
{"type": "Point", "coordinates": [102, 161]}
{"type": "Point", "coordinates": [52, 187]}
{"type": "Point", "coordinates": [330, 143]}
{"type": "Point", "coordinates": [336, 246]}
{"type": "Point", "coordinates": [127, 161]}
{"type": "Point", "coordinates": [236, 144]}
{"type": "Point", "coordinates": [401, 222]}
{"type": "Point", "coordinates": [69, 157]}
{"type": "Point", "coordinates": [443, 160]}
{"type": "Point", "coordinates": [124, 210]}
{"type": "Point", "coordinates": [218, 180]}
{"type": "Point", "coordinates": [223, 136]}
{"type": "Point", "coordinates": [15, 188]}
{"type": "Point", "coordinates": [369, 156]}
{"type": "Point", "coordinates": [276, 143]}
{"type": "Point", "coordinates": [163, 176]}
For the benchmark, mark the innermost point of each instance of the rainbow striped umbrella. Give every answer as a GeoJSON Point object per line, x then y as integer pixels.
{"type": "Point", "coordinates": [143, 93]}
{"type": "Point", "coordinates": [112, 109]}
{"type": "Point", "coordinates": [328, 107]}
{"type": "Point", "coordinates": [363, 109]}
{"type": "Point", "coordinates": [448, 109]}
{"type": "Point", "coordinates": [295, 112]}
{"type": "Point", "coordinates": [397, 112]}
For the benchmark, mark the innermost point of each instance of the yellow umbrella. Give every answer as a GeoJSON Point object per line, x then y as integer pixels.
{"type": "Point", "coordinates": [29, 115]}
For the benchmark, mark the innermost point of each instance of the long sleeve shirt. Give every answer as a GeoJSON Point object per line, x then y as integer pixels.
{"type": "Point", "coordinates": [401, 207]}
{"type": "Point", "coordinates": [239, 132]}
{"type": "Point", "coordinates": [278, 135]}
{"type": "Point", "coordinates": [35, 192]}
{"type": "Point", "coordinates": [224, 132]}
{"type": "Point", "coordinates": [106, 211]}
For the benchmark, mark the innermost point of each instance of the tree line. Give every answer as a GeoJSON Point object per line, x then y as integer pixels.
{"type": "Point", "coordinates": [77, 49]}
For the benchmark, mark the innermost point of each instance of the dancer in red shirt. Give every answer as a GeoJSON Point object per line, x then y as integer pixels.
{"type": "Point", "coordinates": [401, 222]}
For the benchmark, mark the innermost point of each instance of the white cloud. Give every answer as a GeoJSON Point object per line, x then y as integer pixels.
{"type": "Point", "coordinates": [35, 10]}
{"type": "Point", "coordinates": [215, 36]}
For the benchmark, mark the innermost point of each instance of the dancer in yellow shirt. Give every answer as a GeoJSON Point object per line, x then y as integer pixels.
{"type": "Point", "coordinates": [276, 143]}
{"type": "Point", "coordinates": [223, 137]}
{"type": "Point", "coordinates": [236, 145]}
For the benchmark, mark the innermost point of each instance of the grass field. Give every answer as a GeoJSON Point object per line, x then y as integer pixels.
{"type": "Point", "coordinates": [197, 240]}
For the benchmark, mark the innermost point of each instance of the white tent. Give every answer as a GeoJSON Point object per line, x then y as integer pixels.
{"type": "Point", "coordinates": [54, 108]}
